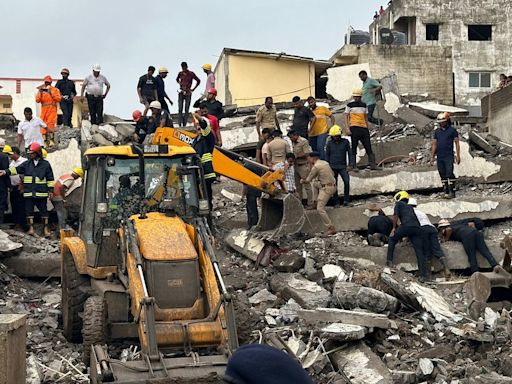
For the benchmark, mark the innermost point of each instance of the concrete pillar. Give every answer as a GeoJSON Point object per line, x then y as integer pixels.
{"type": "Point", "coordinates": [13, 337]}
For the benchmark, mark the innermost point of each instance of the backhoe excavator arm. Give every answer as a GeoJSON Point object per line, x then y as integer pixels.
{"type": "Point", "coordinates": [224, 162]}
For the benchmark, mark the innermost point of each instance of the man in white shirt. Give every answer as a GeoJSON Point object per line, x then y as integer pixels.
{"type": "Point", "coordinates": [432, 246]}
{"type": "Point", "coordinates": [30, 130]}
{"type": "Point", "coordinates": [94, 85]}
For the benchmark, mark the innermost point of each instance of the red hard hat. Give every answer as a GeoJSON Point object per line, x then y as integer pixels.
{"type": "Point", "coordinates": [136, 115]}
{"type": "Point", "coordinates": [34, 147]}
{"type": "Point", "coordinates": [213, 91]}
{"type": "Point", "coordinates": [48, 79]}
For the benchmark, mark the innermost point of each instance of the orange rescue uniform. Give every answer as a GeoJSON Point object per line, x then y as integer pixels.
{"type": "Point", "coordinates": [49, 101]}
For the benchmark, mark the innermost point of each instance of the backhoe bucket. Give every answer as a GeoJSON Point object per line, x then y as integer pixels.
{"type": "Point", "coordinates": [484, 287]}
{"type": "Point", "coordinates": [184, 370]}
{"type": "Point", "coordinates": [281, 216]}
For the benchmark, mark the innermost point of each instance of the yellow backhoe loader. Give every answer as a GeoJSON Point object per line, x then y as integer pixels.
{"type": "Point", "coordinates": [142, 266]}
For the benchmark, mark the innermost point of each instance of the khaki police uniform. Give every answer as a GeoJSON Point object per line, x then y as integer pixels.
{"type": "Point", "coordinates": [301, 150]}
{"type": "Point", "coordinates": [324, 184]}
{"type": "Point", "coordinates": [277, 149]}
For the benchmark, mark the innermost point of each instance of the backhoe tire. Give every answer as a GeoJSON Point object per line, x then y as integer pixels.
{"type": "Point", "coordinates": [94, 325]}
{"type": "Point", "coordinates": [74, 294]}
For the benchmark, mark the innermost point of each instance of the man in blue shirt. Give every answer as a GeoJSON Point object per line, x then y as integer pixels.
{"type": "Point", "coordinates": [442, 147]}
{"type": "Point", "coordinates": [371, 88]}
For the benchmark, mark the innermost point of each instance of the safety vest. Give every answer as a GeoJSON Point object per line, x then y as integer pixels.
{"type": "Point", "coordinates": [58, 185]}
{"type": "Point", "coordinates": [38, 179]}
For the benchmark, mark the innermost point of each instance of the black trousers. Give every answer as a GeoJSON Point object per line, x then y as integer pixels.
{"type": "Point", "coordinates": [432, 247]}
{"type": "Point", "coordinates": [417, 237]}
{"type": "Point", "coordinates": [18, 207]}
{"type": "Point", "coordinates": [252, 210]}
{"type": "Point", "coordinates": [95, 104]}
{"type": "Point", "coordinates": [474, 241]}
{"type": "Point", "coordinates": [67, 111]}
{"type": "Point", "coordinates": [164, 105]}
{"type": "Point", "coordinates": [445, 168]}
{"type": "Point", "coordinates": [360, 135]}
{"type": "Point", "coordinates": [183, 101]}
{"type": "Point", "coordinates": [371, 119]}
{"type": "Point", "coordinates": [346, 184]}
{"type": "Point", "coordinates": [40, 203]}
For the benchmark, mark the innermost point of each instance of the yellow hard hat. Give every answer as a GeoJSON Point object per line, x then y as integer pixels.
{"type": "Point", "coordinates": [207, 67]}
{"type": "Point", "coordinates": [44, 152]}
{"type": "Point", "coordinates": [357, 92]}
{"type": "Point", "coordinates": [402, 195]}
{"type": "Point", "coordinates": [79, 171]}
{"type": "Point", "coordinates": [163, 70]}
{"type": "Point", "coordinates": [335, 131]}
{"type": "Point", "coordinates": [7, 149]}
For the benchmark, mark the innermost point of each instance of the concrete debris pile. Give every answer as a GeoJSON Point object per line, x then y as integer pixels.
{"type": "Point", "coordinates": [50, 358]}
{"type": "Point", "coordinates": [114, 131]}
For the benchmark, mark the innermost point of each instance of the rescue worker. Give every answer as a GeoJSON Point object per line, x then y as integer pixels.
{"type": "Point", "coordinates": [431, 245]}
{"type": "Point", "coordinates": [251, 195]}
{"type": "Point", "coordinates": [339, 156]}
{"type": "Point", "coordinates": [141, 126]}
{"type": "Point", "coordinates": [214, 106]}
{"type": "Point", "coordinates": [324, 185]}
{"type": "Point", "coordinates": [214, 123]}
{"type": "Point", "coordinates": [409, 227]}
{"type": "Point", "coordinates": [278, 148]}
{"type": "Point", "coordinates": [16, 191]}
{"type": "Point", "coordinates": [301, 150]}
{"type": "Point", "coordinates": [159, 118]}
{"type": "Point", "coordinates": [442, 147]}
{"type": "Point", "coordinates": [379, 227]}
{"type": "Point", "coordinates": [210, 78]}
{"type": "Point", "coordinates": [62, 186]}
{"type": "Point", "coordinates": [5, 182]}
{"type": "Point", "coordinates": [49, 97]}
{"type": "Point", "coordinates": [68, 91]}
{"type": "Point", "coordinates": [204, 144]}
{"type": "Point", "coordinates": [38, 183]}
{"type": "Point", "coordinates": [472, 240]}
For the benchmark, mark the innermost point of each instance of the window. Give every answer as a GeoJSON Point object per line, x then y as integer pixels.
{"type": "Point", "coordinates": [479, 32]}
{"type": "Point", "coordinates": [432, 32]}
{"type": "Point", "coordinates": [479, 80]}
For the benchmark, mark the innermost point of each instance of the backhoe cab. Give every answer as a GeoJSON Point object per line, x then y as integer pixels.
{"type": "Point", "coordinates": [141, 266]}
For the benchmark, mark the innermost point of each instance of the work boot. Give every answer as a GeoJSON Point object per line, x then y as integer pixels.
{"type": "Point", "coordinates": [446, 270]}
{"type": "Point", "coordinates": [51, 139]}
{"type": "Point", "coordinates": [451, 189]}
{"type": "Point", "coordinates": [331, 230]}
{"type": "Point", "coordinates": [46, 230]}
{"type": "Point", "coordinates": [371, 160]}
{"type": "Point", "coordinates": [30, 221]}
{"type": "Point", "coordinates": [446, 190]}
{"type": "Point", "coordinates": [428, 270]}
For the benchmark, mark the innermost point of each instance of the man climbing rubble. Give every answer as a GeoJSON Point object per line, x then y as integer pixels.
{"type": "Point", "coordinates": [370, 89]}
{"type": "Point", "coordinates": [38, 183]}
{"type": "Point", "coordinates": [301, 150]}
{"type": "Point", "coordinates": [48, 97]}
{"type": "Point", "coordinates": [409, 227]}
{"type": "Point", "coordinates": [431, 243]}
{"type": "Point", "coordinates": [356, 123]}
{"type": "Point", "coordinates": [442, 146]}
{"type": "Point", "coordinates": [339, 156]}
{"type": "Point", "coordinates": [325, 187]}
{"type": "Point", "coordinates": [472, 240]}
{"type": "Point", "coordinates": [379, 227]}
{"type": "Point", "coordinates": [62, 186]}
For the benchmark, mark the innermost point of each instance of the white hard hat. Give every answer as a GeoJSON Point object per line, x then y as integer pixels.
{"type": "Point", "coordinates": [2, 142]}
{"type": "Point", "coordinates": [163, 70]}
{"type": "Point", "coordinates": [96, 67]}
{"type": "Point", "coordinates": [155, 104]}
{"type": "Point", "coordinates": [413, 202]}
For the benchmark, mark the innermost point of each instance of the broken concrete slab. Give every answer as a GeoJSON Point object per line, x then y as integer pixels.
{"type": "Point", "coordinates": [431, 109]}
{"type": "Point", "coordinates": [361, 365]}
{"type": "Point", "coordinates": [125, 130]}
{"type": "Point", "coordinates": [289, 263]}
{"type": "Point", "coordinates": [350, 295]}
{"type": "Point", "coordinates": [405, 258]}
{"type": "Point", "coordinates": [100, 140]}
{"type": "Point", "coordinates": [7, 246]}
{"type": "Point", "coordinates": [492, 378]}
{"type": "Point", "coordinates": [306, 293]}
{"type": "Point", "coordinates": [334, 315]}
{"type": "Point", "coordinates": [482, 143]}
{"type": "Point", "coordinates": [34, 264]}
{"type": "Point", "coordinates": [262, 297]}
{"type": "Point", "coordinates": [247, 244]}
{"type": "Point", "coordinates": [341, 332]}
{"type": "Point", "coordinates": [404, 377]}
{"type": "Point", "coordinates": [410, 116]}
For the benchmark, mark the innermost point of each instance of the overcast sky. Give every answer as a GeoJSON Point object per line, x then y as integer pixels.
{"type": "Point", "coordinates": [41, 37]}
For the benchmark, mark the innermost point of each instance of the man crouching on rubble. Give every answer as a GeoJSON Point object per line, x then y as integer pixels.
{"type": "Point", "coordinates": [409, 227]}
{"type": "Point", "coordinates": [325, 187]}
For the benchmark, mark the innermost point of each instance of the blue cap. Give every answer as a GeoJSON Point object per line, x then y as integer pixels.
{"type": "Point", "coordinates": [259, 363]}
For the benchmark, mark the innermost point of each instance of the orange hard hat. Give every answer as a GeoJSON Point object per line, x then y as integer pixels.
{"type": "Point", "coordinates": [64, 70]}
{"type": "Point", "coordinates": [34, 147]}
{"type": "Point", "coordinates": [213, 91]}
{"type": "Point", "coordinates": [136, 115]}
{"type": "Point", "coordinates": [48, 79]}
